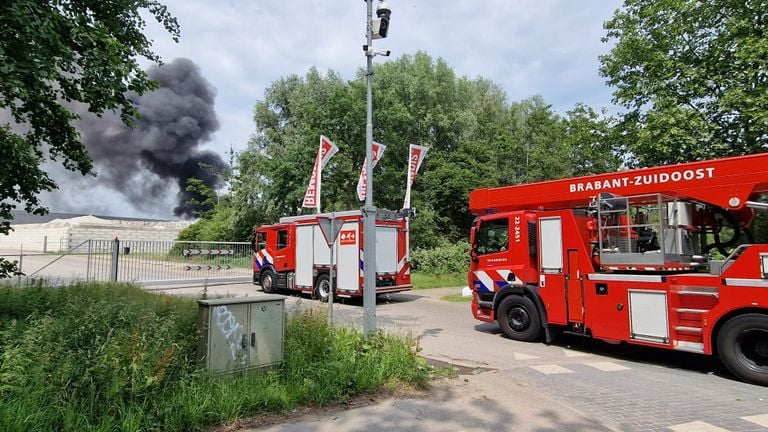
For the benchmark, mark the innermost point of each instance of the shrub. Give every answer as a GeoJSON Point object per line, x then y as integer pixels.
{"type": "Point", "coordinates": [217, 226]}
{"type": "Point", "coordinates": [445, 258]}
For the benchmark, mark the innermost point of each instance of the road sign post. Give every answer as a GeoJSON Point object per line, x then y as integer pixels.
{"type": "Point", "coordinates": [330, 230]}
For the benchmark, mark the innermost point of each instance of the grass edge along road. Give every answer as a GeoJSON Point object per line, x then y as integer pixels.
{"type": "Point", "coordinates": [112, 356]}
{"type": "Point", "coordinates": [421, 280]}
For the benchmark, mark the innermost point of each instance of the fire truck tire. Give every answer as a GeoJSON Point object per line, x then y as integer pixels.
{"type": "Point", "coordinates": [519, 319]}
{"type": "Point", "coordinates": [322, 287]}
{"type": "Point", "coordinates": [268, 281]}
{"type": "Point", "coordinates": [742, 344]}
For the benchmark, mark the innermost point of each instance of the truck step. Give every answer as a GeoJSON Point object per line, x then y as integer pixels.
{"type": "Point", "coordinates": [699, 293]}
{"type": "Point", "coordinates": [691, 311]}
{"type": "Point", "coordinates": [690, 330]}
{"type": "Point", "coordinates": [694, 347]}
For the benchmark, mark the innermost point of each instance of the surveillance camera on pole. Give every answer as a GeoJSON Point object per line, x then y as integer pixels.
{"type": "Point", "coordinates": [380, 26]}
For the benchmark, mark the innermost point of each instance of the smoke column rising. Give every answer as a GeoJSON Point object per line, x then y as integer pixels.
{"type": "Point", "coordinates": [175, 120]}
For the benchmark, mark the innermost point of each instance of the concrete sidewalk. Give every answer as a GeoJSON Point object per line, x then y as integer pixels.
{"type": "Point", "coordinates": [484, 401]}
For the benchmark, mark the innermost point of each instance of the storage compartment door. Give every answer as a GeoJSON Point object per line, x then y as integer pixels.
{"type": "Point", "coordinates": [347, 257]}
{"type": "Point", "coordinates": [322, 251]}
{"type": "Point", "coordinates": [304, 252]}
{"type": "Point", "coordinates": [648, 316]}
{"type": "Point", "coordinates": [266, 338]}
{"type": "Point", "coordinates": [386, 249]}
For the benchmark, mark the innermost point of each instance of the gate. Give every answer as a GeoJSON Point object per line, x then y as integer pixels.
{"type": "Point", "coordinates": [145, 262]}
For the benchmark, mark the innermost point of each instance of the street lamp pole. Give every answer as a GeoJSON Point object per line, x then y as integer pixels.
{"type": "Point", "coordinates": [369, 211]}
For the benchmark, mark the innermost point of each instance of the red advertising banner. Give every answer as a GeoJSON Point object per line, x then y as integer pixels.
{"type": "Point", "coordinates": [324, 154]}
{"type": "Point", "coordinates": [362, 182]}
{"type": "Point", "coordinates": [416, 155]}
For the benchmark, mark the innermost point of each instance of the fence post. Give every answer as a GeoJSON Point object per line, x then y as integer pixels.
{"type": "Point", "coordinates": [88, 266]}
{"type": "Point", "coordinates": [21, 263]}
{"type": "Point", "coordinates": [115, 257]}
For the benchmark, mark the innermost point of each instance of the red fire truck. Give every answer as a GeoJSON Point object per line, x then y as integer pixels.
{"type": "Point", "coordinates": [294, 255]}
{"type": "Point", "coordinates": [628, 257]}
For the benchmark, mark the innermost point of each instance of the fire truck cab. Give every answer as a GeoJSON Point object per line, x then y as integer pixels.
{"type": "Point", "coordinates": [628, 257]}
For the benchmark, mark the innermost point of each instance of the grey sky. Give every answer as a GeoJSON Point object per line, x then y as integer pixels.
{"type": "Point", "coordinates": [547, 47]}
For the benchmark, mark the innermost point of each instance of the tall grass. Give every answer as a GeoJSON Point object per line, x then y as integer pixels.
{"type": "Point", "coordinates": [113, 357]}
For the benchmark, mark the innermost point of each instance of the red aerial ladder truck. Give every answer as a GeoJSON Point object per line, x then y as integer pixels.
{"type": "Point", "coordinates": [626, 257]}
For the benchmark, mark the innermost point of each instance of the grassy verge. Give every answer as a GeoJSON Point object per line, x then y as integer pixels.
{"type": "Point", "coordinates": [456, 298]}
{"type": "Point", "coordinates": [113, 357]}
{"type": "Point", "coordinates": [425, 280]}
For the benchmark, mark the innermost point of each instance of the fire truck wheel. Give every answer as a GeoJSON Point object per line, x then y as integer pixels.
{"type": "Point", "coordinates": [519, 319]}
{"type": "Point", "coordinates": [323, 287]}
{"type": "Point", "coordinates": [268, 281]}
{"type": "Point", "coordinates": [743, 347]}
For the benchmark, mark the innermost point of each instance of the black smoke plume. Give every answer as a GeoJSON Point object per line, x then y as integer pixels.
{"type": "Point", "coordinates": [163, 147]}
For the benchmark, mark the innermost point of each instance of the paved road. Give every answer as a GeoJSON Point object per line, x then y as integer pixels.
{"type": "Point", "coordinates": [573, 384]}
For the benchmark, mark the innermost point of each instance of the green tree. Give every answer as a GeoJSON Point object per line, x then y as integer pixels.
{"type": "Point", "coordinates": [691, 75]}
{"type": "Point", "coordinates": [203, 199]}
{"type": "Point", "coordinates": [248, 186]}
{"type": "Point", "coordinates": [53, 53]}
{"type": "Point", "coordinates": [420, 100]}
{"type": "Point", "coordinates": [218, 225]}
{"type": "Point", "coordinates": [289, 121]}
{"type": "Point", "coordinates": [538, 148]}
{"type": "Point", "coordinates": [593, 142]}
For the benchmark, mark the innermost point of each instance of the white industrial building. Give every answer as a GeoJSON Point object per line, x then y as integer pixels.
{"type": "Point", "coordinates": [59, 232]}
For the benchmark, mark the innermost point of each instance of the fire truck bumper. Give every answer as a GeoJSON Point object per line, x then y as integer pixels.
{"type": "Point", "coordinates": [481, 313]}
{"type": "Point", "coordinates": [393, 289]}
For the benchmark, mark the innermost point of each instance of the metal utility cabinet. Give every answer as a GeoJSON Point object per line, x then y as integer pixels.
{"type": "Point", "coordinates": [241, 333]}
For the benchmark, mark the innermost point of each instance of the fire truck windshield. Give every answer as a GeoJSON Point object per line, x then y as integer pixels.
{"type": "Point", "coordinates": [261, 240]}
{"type": "Point", "coordinates": [493, 236]}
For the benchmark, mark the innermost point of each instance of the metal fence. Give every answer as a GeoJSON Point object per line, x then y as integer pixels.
{"type": "Point", "coordinates": [143, 262]}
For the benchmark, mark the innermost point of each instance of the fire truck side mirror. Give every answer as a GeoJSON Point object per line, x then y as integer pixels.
{"type": "Point", "coordinates": [473, 246]}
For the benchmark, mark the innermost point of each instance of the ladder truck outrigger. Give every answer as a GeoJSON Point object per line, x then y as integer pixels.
{"type": "Point", "coordinates": [625, 257]}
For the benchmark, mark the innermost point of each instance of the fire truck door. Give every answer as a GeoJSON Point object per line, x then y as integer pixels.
{"type": "Point", "coordinates": [304, 256]}
{"type": "Point", "coordinates": [574, 290]}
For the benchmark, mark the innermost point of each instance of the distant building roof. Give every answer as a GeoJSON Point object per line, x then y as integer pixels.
{"type": "Point", "coordinates": [23, 218]}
